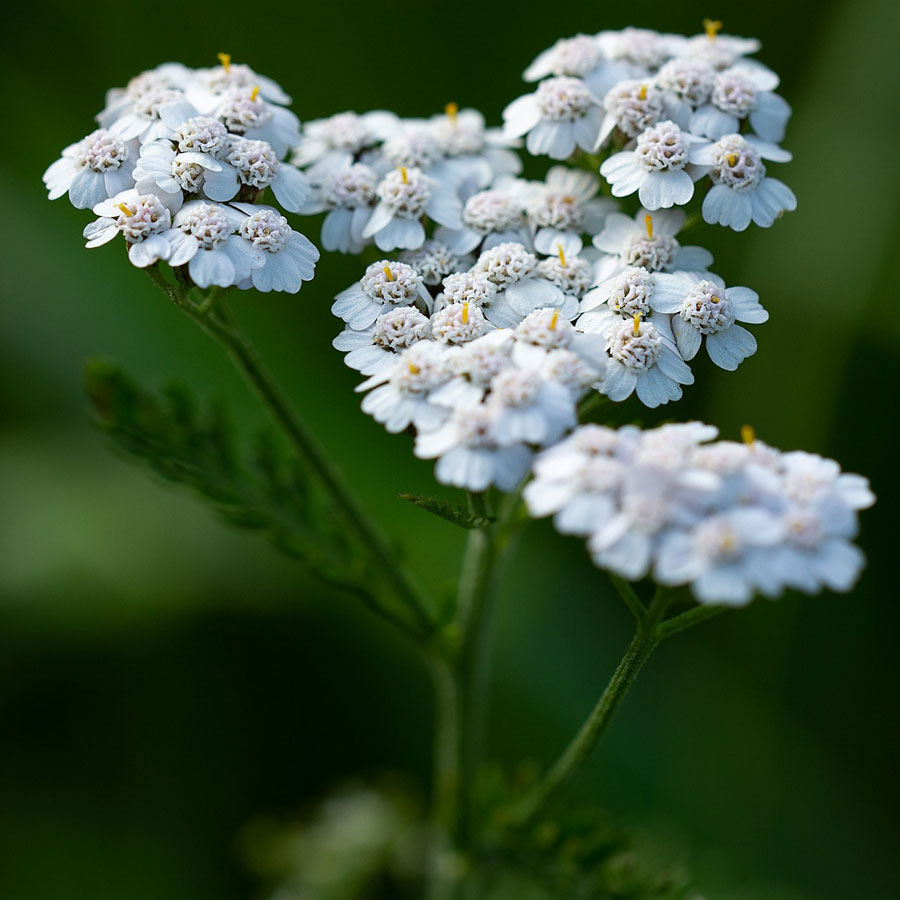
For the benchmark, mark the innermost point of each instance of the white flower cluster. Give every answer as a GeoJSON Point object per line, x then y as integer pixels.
{"type": "Point", "coordinates": [485, 370]}
{"type": "Point", "coordinates": [676, 108]}
{"type": "Point", "coordinates": [178, 167]}
{"type": "Point", "coordinates": [382, 179]}
{"type": "Point", "coordinates": [729, 519]}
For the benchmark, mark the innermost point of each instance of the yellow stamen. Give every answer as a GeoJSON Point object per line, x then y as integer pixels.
{"type": "Point", "coordinates": [388, 273]}
{"type": "Point", "coordinates": [714, 299]}
{"type": "Point", "coordinates": [413, 369]}
{"type": "Point", "coordinates": [636, 318]}
{"type": "Point", "coordinates": [562, 255]}
{"type": "Point", "coordinates": [452, 111]}
{"type": "Point", "coordinates": [254, 93]}
{"type": "Point", "coordinates": [403, 175]}
{"type": "Point", "coordinates": [225, 59]}
{"type": "Point", "coordinates": [648, 224]}
{"type": "Point", "coordinates": [554, 319]}
{"type": "Point", "coordinates": [125, 210]}
{"type": "Point", "coordinates": [465, 313]}
{"type": "Point", "coordinates": [712, 27]}
{"type": "Point", "coordinates": [643, 92]}
{"type": "Point", "coordinates": [748, 435]}
{"type": "Point", "coordinates": [732, 159]}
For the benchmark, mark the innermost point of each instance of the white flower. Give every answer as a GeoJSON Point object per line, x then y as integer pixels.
{"type": "Point", "coordinates": [258, 168]}
{"type": "Point", "coordinates": [564, 206]}
{"type": "Point", "coordinates": [575, 56]}
{"type": "Point", "coordinates": [162, 169]}
{"type": "Point", "coordinates": [571, 273]}
{"type": "Point", "coordinates": [149, 115]}
{"type": "Point", "coordinates": [632, 107]}
{"type": "Point", "coordinates": [737, 94]}
{"type": "Point", "coordinates": [475, 156]}
{"type": "Point", "coordinates": [246, 113]}
{"type": "Point", "coordinates": [433, 261]}
{"type": "Point", "coordinates": [723, 557]}
{"type": "Point", "coordinates": [741, 192]}
{"type": "Point", "coordinates": [626, 294]}
{"type": "Point", "coordinates": [643, 358]}
{"type": "Point", "coordinates": [348, 193]}
{"type": "Point", "coordinates": [142, 219]}
{"type": "Point", "coordinates": [414, 146]}
{"type": "Point", "coordinates": [207, 87]}
{"type": "Point", "coordinates": [289, 258]}
{"type": "Point", "coordinates": [335, 142]}
{"type": "Point", "coordinates": [704, 306]}
{"type": "Point", "coordinates": [473, 367]}
{"type": "Point", "coordinates": [559, 116]}
{"type": "Point", "coordinates": [119, 101]}
{"type": "Point", "coordinates": [648, 240]}
{"type": "Point", "coordinates": [655, 168]}
{"type": "Point", "coordinates": [401, 392]}
{"type": "Point", "coordinates": [91, 170]}
{"type": "Point", "coordinates": [201, 134]}
{"type": "Point", "coordinates": [375, 348]}
{"type": "Point", "coordinates": [468, 453]}
{"type": "Point", "coordinates": [721, 51]}
{"type": "Point", "coordinates": [687, 81]}
{"type": "Point", "coordinates": [545, 330]}
{"type": "Point", "coordinates": [513, 271]}
{"type": "Point", "coordinates": [577, 480]}
{"type": "Point", "coordinates": [530, 409]}
{"type": "Point", "coordinates": [458, 323]}
{"type": "Point", "coordinates": [640, 47]}
{"type": "Point", "coordinates": [384, 285]}
{"type": "Point", "coordinates": [488, 218]}
{"type": "Point", "coordinates": [405, 195]}
{"type": "Point", "coordinates": [214, 253]}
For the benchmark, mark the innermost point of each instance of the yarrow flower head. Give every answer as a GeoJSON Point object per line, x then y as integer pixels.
{"type": "Point", "coordinates": [561, 115]}
{"type": "Point", "coordinates": [177, 144]}
{"type": "Point", "coordinates": [724, 518]}
{"type": "Point", "coordinates": [741, 191]}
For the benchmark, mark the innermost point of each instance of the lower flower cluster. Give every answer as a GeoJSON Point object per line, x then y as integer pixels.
{"type": "Point", "coordinates": [729, 519]}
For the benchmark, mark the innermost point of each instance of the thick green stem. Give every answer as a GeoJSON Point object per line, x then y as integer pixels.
{"type": "Point", "coordinates": [219, 325]}
{"type": "Point", "coordinates": [461, 696]}
{"type": "Point", "coordinates": [443, 867]}
{"type": "Point", "coordinates": [476, 592]}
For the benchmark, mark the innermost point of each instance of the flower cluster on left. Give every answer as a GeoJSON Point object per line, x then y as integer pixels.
{"type": "Point", "coordinates": [180, 165]}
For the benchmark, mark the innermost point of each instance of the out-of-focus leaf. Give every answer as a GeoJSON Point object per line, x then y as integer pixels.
{"type": "Point", "coordinates": [447, 509]}
{"type": "Point", "coordinates": [197, 449]}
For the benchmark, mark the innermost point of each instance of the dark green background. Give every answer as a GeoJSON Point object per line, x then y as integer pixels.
{"type": "Point", "coordinates": [164, 680]}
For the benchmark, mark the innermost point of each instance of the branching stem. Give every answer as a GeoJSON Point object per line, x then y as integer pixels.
{"type": "Point", "coordinates": [214, 317]}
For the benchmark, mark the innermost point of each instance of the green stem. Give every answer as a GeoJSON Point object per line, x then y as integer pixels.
{"type": "Point", "coordinates": [573, 757]}
{"type": "Point", "coordinates": [461, 694]}
{"type": "Point", "coordinates": [629, 597]}
{"type": "Point", "coordinates": [486, 549]}
{"type": "Point", "coordinates": [219, 325]}
{"type": "Point", "coordinates": [687, 619]}
{"type": "Point", "coordinates": [443, 866]}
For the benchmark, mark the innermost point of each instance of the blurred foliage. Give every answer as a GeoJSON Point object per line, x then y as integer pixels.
{"type": "Point", "coordinates": [365, 842]}
{"type": "Point", "coordinates": [164, 680]}
{"type": "Point", "coordinates": [197, 450]}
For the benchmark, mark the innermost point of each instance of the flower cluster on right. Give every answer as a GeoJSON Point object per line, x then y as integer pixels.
{"type": "Point", "coordinates": [729, 519]}
{"type": "Point", "coordinates": [676, 109]}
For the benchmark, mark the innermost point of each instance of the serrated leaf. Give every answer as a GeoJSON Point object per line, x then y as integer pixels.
{"type": "Point", "coordinates": [448, 510]}
{"type": "Point", "coordinates": [195, 447]}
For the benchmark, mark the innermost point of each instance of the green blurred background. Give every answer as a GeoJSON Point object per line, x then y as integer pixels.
{"type": "Point", "coordinates": [165, 680]}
